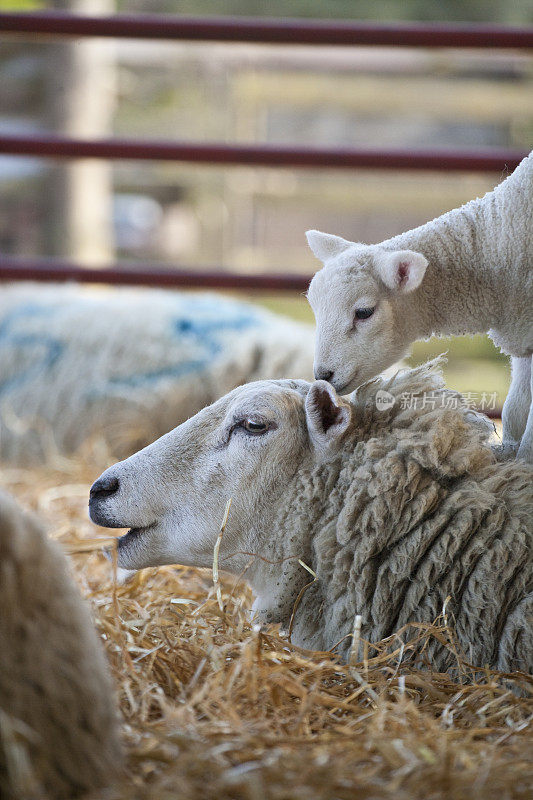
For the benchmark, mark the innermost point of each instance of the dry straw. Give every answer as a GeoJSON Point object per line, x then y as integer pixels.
{"type": "Point", "coordinates": [214, 707]}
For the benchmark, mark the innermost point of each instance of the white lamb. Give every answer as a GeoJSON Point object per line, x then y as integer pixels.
{"type": "Point", "coordinates": [58, 723]}
{"type": "Point", "coordinates": [394, 511]}
{"type": "Point", "coordinates": [468, 271]}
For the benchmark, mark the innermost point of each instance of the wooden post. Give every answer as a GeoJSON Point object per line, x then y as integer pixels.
{"type": "Point", "coordinates": [81, 99]}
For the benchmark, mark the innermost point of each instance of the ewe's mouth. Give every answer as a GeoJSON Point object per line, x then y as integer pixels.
{"type": "Point", "coordinates": [134, 534]}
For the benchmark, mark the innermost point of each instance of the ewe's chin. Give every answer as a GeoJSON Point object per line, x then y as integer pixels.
{"type": "Point", "coordinates": [172, 540]}
{"type": "Point", "coordinates": [142, 547]}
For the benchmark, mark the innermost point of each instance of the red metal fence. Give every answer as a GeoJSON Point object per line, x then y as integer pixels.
{"type": "Point", "coordinates": [294, 32]}
{"type": "Point", "coordinates": [269, 31]}
{"type": "Point", "coordinates": [493, 160]}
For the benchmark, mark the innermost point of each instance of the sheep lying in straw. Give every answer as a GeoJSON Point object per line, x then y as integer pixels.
{"type": "Point", "coordinates": [468, 271]}
{"type": "Point", "coordinates": [129, 363]}
{"type": "Point", "coordinates": [58, 731]}
{"type": "Point", "coordinates": [390, 497]}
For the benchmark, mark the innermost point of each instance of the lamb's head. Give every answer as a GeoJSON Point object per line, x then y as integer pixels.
{"type": "Point", "coordinates": [358, 302]}
{"type": "Point", "coordinates": [247, 446]}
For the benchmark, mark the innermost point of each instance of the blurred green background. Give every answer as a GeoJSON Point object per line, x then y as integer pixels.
{"type": "Point", "coordinates": [245, 219]}
{"type": "Point", "coordinates": [518, 11]}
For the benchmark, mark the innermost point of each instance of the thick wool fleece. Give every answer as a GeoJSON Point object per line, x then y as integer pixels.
{"type": "Point", "coordinates": [56, 699]}
{"type": "Point", "coordinates": [413, 510]}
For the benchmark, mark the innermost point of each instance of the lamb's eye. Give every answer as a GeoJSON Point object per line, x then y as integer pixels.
{"type": "Point", "coordinates": [253, 427]}
{"type": "Point", "coordinates": [364, 313]}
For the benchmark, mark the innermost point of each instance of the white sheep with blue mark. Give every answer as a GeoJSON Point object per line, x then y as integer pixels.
{"type": "Point", "coordinates": [128, 364]}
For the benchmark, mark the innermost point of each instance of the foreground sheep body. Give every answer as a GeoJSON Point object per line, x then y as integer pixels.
{"type": "Point", "coordinates": [394, 510]}
{"type": "Point", "coordinates": [127, 364]}
{"type": "Point", "coordinates": [56, 703]}
{"type": "Point", "coordinates": [468, 271]}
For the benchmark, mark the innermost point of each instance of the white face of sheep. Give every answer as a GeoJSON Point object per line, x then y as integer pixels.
{"type": "Point", "coordinates": [246, 446]}
{"type": "Point", "coordinates": [357, 302]}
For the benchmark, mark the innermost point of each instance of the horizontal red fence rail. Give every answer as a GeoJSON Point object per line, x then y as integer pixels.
{"type": "Point", "coordinates": [50, 270]}
{"type": "Point", "coordinates": [261, 155]}
{"type": "Point", "coordinates": [270, 31]}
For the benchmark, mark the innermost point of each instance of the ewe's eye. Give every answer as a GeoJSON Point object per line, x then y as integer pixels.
{"type": "Point", "coordinates": [253, 427]}
{"type": "Point", "coordinates": [363, 313]}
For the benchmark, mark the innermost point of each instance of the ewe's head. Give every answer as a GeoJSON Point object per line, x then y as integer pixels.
{"type": "Point", "coordinates": [357, 302]}
{"type": "Point", "coordinates": [247, 446]}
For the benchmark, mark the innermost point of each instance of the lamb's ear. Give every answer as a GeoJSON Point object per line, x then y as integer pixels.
{"type": "Point", "coordinates": [328, 416]}
{"type": "Point", "coordinates": [401, 270]}
{"type": "Point", "coordinates": [326, 245]}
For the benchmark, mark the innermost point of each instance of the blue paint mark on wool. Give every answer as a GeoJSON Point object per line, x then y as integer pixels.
{"type": "Point", "coordinates": [204, 337]}
{"type": "Point", "coordinates": [49, 348]}
{"type": "Point", "coordinates": [201, 326]}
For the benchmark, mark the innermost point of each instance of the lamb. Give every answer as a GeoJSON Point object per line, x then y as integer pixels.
{"type": "Point", "coordinates": [127, 364]}
{"type": "Point", "coordinates": [58, 727]}
{"type": "Point", "coordinates": [468, 271]}
{"type": "Point", "coordinates": [391, 496]}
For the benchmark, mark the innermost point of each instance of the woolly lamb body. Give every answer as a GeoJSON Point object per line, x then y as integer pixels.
{"type": "Point", "coordinates": [394, 510]}
{"type": "Point", "coordinates": [56, 699]}
{"type": "Point", "coordinates": [127, 364]}
{"type": "Point", "coordinates": [468, 271]}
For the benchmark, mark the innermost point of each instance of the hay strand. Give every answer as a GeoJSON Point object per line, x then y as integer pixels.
{"type": "Point", "coordinates": [216, 550]}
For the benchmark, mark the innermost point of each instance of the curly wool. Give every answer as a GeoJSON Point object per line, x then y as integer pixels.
{"type": "Point", "coordinates": [413, 511]}
{"type": "Point", "coordinates": [56, 703]}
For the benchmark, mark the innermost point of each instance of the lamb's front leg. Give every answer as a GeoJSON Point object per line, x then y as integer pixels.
{"type": "Point", "coordinates": [517, 417]}
{"type": "Point", "coordinates": [525, 451]}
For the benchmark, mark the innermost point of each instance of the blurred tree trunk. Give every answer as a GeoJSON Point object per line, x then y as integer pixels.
{"type": "Point", "coordinates": [81, 97]}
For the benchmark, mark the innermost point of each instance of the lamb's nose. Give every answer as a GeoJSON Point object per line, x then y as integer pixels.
{"type": "Point", "coordinates": [322, 374]}
{"type": "Point", "coordinates": [104, 487]}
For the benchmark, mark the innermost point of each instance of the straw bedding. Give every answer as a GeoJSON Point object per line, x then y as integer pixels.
{"type": "Point", "coordinates": [215, 707]}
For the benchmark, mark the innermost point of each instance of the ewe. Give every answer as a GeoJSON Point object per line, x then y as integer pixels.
{"type": "Point", "coordinates": [58, 729]}
{"type": "Point", "coordinates": [468, 271]}
{"type": "Point", "coordinates": [394, 510]}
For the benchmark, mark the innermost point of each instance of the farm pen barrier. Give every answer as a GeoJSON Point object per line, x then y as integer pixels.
{"type": "Point", "coordinates": [251, 30]}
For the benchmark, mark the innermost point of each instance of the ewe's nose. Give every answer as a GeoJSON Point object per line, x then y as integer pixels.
{"type": "Point", "coordinates": [104, 487]}
{"type": "Point", "coordinates": [322, 374]}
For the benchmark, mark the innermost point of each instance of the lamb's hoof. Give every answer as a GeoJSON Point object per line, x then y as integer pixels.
{"type": "Point", "coordinates": [506, 451]}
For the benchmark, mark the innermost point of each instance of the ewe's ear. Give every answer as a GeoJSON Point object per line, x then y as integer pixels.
{"type": "Point", "coordinates": [327, 416]}
{"type": "Point", "coordinates": [326, 245]}
{"type": "Point", "coordinates": [401, 270]}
